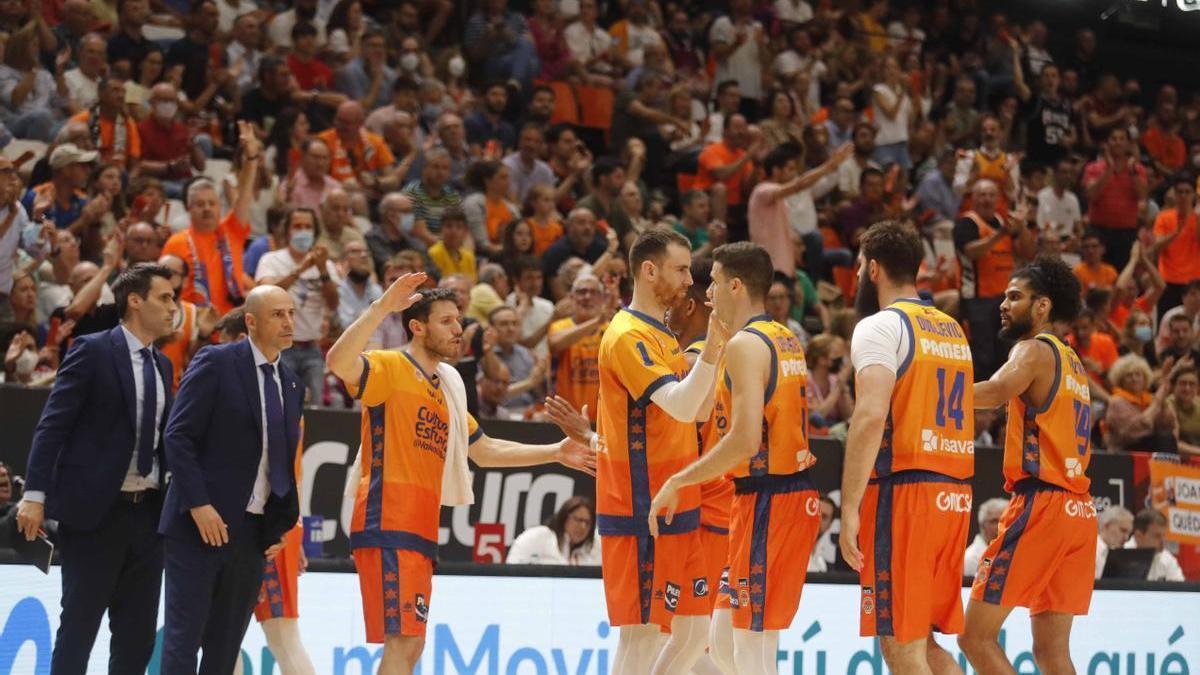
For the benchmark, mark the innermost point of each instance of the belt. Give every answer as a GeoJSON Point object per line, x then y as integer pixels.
{"type": "Point", "coordinates": [304, 344]}
{"type": "Point", "coordinates": [139, 496]}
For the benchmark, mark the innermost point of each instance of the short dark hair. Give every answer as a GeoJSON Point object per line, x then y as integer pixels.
{"type": "Point", "coordinates": [454, 214]}
{"type": "Point", "coordinates": [749, 262]}
{"type": "Point", "coordinates": [491, 317]}
{"type": "Point", "coordinates": [604, 167]}
{"type": "Point", "coordinates": [1193, 285]}
{"type": "Point", "coordinates": [555, 131]}
{"type": "Point", "coordinates": [724, 85]}
{"type": "Point", "coordinates": [233, 324]}
{"type": "Point", "coordinates": [780, 156]}
{"type": "Point", "coordinates": [896, 247]}
{"type": "Point", "coordinates": [1146, 518]}
{"type": "Point", "coordinates": [652, 245]}
{"type": "Point", "coordinates": [303, 29]}
{"type": "Point", "coordinates": [287, 220]}
{"type": "Point", "coordinates": [537, 89]}
{"type": "Point", "coordinates": [137, 280]}
{"type": "Point", "coordinates": [404, 83]}
{"type": "Point", "coordinates": [1179, 318]}
{"type": "Point", "coordinates": [1050, 277]}
{"type": "Point", "coordinates": [701, 279]}
{"type": "Point", "coordinates": [419, 310]}
{"type": "Point", "coordinates": [1091, 233]}
{"type": "Point", "coordinates": [686, 199]}
{"type": "Point", "coordinates": [1183, 178]}
{"type": "Point", "coordinates": [526, 263]}
{"type": "Point", "coordinates": [869, 172]}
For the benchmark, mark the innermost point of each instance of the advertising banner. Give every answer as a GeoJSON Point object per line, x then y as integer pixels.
{"type": "Point", "coordinates": [544, 626]}
{"type": "Point", "coordinates": [1175, 491]}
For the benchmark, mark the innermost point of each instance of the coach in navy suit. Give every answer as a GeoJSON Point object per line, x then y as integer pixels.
{"type": "Point", "coordinates": [231, 443]}
{"type": "Point", "coordinates": [97, 467]}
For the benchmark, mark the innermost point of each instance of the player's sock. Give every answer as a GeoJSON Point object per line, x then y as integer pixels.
{"type": "Point", "coordinates": [754, 653]}
{"type": "Point", "coordinates": [637, 647]}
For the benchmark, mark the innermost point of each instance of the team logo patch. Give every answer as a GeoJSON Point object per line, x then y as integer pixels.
{"type": "Point", "coordinates": [743, 593]}
{"type": "Point", "coordinates": [671, 597]}
{"type": "Point", "coordinates": [985, 566]}
{"type": "Point", "coordinates": [422, 608]}
{"type": "Point", "coordinates": [700, 587]}
{"type": "Point", "coordinates": [723, 584]}
{"type": "Point", "coordinates": [868, 600]}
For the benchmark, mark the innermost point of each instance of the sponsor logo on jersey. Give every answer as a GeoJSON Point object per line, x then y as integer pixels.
{"type": "Point", "coordinates": [957, 502]}
{"type": "Point", "coordinates": [932, 441]}
{"type": "Point", "coordinates": [812, 506]}
{"type": "Point", "coordinates": [700, 587]}
{"type": "Point", "coordinates": [1080, 508]}
{"type": "Point", "coordinates": [743, 592]}
{"type": "Point", "coordinates": [671, 597]}
{"type": "Point", "coordinates": [422, 608]}
{"type": "Point", "coordinates": [868, 600]}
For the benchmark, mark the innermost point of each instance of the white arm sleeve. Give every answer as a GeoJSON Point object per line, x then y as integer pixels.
{"type": "Point", "coordinates": [684, 400]}
{"type": "Point", "coordinates": [880, 339]}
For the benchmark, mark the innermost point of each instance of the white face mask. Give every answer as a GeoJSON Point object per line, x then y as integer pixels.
{"type": "Point", "coordinates": [410, 61]}
{"type": "Point", "coordinates": [26, 362]}
{"type": "Point", "coordinates": [166, 110]}
{"type": "Point", "coordinates": [1196, 160]}
{"type": "Point", "coordinates": [457, 66]}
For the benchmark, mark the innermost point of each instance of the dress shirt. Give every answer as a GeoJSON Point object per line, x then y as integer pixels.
{"type": "Point", "coordinates": [262, 484]}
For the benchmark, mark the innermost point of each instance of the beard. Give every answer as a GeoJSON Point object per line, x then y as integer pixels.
{"type": "Point", "coordinates": [1016, 329]}
{"type": "Point", "coordinates": [667, 294]}
{"type": "Point", "coordinates": [866, 300]}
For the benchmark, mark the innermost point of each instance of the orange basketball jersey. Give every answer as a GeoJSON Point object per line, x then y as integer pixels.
{"type": "Point", "coordinates": [1052, 444]}
{"type": "Point", "coordinates": [784, 447]}
{"type": "Point", "coordinates": [645, 445]}
{"type": "Point", "coordinates": [576, 373]}
{"type": "Point", "coordinates": [931, 424]}
{"type": "Point", "coordinates": [405, 427]}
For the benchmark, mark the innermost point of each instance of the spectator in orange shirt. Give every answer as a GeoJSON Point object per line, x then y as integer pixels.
{"type": "Point", "coordinates": [1093, 272]}
{"type": "Point", "coordinates": [1097, 350]}
{"type": "Point", "coordinates": [725, 170]}
{"type": "Point", "coordinates": [114, 133]}
{"type": "Point", "coordinates": [1177, 243]}
{"type": "Point", "coordinates": [212, 247]}
{"type": "Point", "coordinates": [360, 157]}
{"type": "Point", "coordinates": [1162, 141]}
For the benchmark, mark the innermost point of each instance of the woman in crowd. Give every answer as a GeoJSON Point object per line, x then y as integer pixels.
{"type": "Point", "coordinates": [569, 538]}
{"type": "Point", "coordinates": [149, 73]}
{"type": "Point", "coordinates": [1137, 336]}
{"type": "Point", "coordinates": [285, 144]}
{"type": "Point", "coordinates": [546, 29]}
{"type": "Point", "coordinates": [782, 126]}
{"type": "Point", "coordinates": [1136, 418]}
{"type": "Point", "coordinates": [780, 299]}
{"type": "Point", "coordinates": [829, 374]}
{"type": "Point", "coordinates": [488, 210]}
{"type": "Point", "coordinates": [519, 239]}
{"type": "Point", "coordinates": [345, 28]}
{"type": "Point", "coordinates": [1182, 401]}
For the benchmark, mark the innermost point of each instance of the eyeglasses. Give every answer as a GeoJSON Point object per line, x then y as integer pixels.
{"type": "Point", "coordinates": [584, 292]}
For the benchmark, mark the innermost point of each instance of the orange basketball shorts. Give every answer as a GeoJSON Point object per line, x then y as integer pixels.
{"type": "Point", "coordinates": [913, 534]}
{"type": "Point", "coordinates": [277, 595]}
{"type": "Point", "coordinates": [1044, 556]}
{"type": "Point", "coordinates": [772, 533]}
{"type": "Point", "coordinates": [716, 554]}
{"type": "Point", "coordinates": [649, 580]}
{"type": "Point", "coordinates": [396, 585]}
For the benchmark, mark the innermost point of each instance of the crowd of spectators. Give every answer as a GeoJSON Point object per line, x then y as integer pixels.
{"type": "Point", "coordinates": [514, 150]}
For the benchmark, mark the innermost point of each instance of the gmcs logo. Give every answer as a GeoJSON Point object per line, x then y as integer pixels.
{"type": "Point", "coordinates": [958, 502]}
{"type": "Point", "coordinates": [1080, 508]}
{"type": "Point", "coordinates": [812, 506]}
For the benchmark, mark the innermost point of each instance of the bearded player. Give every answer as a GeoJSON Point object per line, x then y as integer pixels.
{"type": "Point", "coordinates": [414, 416]}
{"type": "Point", "coordinates": [761, 415]}
{"type": "Point", "coordinates": [1044, 555]}
{"type": "Point", "coordinates": [906, 492]}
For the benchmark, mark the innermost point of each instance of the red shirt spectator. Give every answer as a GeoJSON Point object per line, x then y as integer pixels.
{"type": "Point", "coordinates": [1115, 185]}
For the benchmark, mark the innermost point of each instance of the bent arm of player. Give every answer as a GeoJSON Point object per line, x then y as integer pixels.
{"type": "Point", "coordinates": [749, 379]}
{"type": "Point", "coordinates": [1013, 378]}
{"type": "Point", "coordinates": [874, 386]}
{"type": "Point", "coordinates": [488, 451]}
{"type": "Point", "coordinates": [343, 357]}
{"type": "Point", "coordinates": [685, 400]}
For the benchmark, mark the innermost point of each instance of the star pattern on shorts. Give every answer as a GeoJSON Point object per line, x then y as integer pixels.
{"type": "Point", "coordinates": [391, 594]}
{"type": "Point", "coordinates": [272, 584]}
{"type": "Point", "coordinates": [884, 576]}
{"type": "Point", "coordinates": [637, 413]}
{"type": "Point", "coordinates": [276, 598]}
{"type": "Point", "coordinates": [1003, 555]}
{"type": "Point", "coordinates": [1000, 570]}
{"type": "Point", "coordinates": [647, 567]}
{"type": "Point", "coordinates": [758, 463]}
{"type": "Point", "coordinates": [995, 586]}
{"type": "Point", "coordinates": [1030, 457]}
{"type": "Point", "coordinates": [377, 430]}
{"type": "Point", "coordinates": [756, 590]}
{"type": "Point", "coordinates": [636, 429]}
{"type": "Point", "coordinates": [757, 569]}
{"type": "Point", "coordinates": [884, 595]}
{"type": "Point", "coordinates": [391, 612]}
{"type": "Point", "coordinates": [637, 446]}
{"type": "Point", "coordinates": [377, 463]}
{"type": "Point", "coordinates": [390, 577]}
{"type": "Point", "coordinates": [885, 613]}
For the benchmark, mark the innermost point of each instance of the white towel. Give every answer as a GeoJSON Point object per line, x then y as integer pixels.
{"type": "Point", "coordinates": [456, 474]}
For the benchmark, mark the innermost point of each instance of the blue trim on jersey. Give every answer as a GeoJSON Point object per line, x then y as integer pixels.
{"type": "Point", "coordinates": [883, 460]}
{"type": "Point", "coordinates": [274, 590]}
{"type": "Point", "coordinates": [653, 387]}
{"type": "Point", "coordinates": [634, 526]}
{"type": "Point", "coordinates": [657, 323]}
{"type": "Point", "coordinates": [998, 572]}
{"type": "Point", "coordinates": [912, 343]}
{"type": "Point", "coordinates": [478, 434]}
{"type": "Point", "coordinates": [883, 561]}
{"type": "Point", "coordinates": [722, 531]}
{"type": "Point", "coordinates": [639, 465]}
{"type": "Point", "coordinates": [395, 539]}
{"type": "Point", "coordinates": [1057, 373]}
{"type": "Point", "coordinates": [913, 476]}
{"type": "Point", "coordinates": [376, 417]}
{"type": "Point", "coordinates": [390, 570]}
{"type": "Point", "coordinates": [362, 379]}
{"type": "Point", "coordinates": [775, 484]}
{"type": "Point", "coordinates": [437, 383]}
{"type": "Point", "coordinates": [774, 377]}
{"type": "Point", "coordinates": [758, 560]}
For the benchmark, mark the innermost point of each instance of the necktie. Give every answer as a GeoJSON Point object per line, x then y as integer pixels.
{"type": "Point", "coordinates": [277, 463]}
{"type": "Point", "coordinates": [145, 446]}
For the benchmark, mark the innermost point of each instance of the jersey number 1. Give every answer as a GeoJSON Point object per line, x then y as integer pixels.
{"type": "Point", "coordinates": [950, 405]}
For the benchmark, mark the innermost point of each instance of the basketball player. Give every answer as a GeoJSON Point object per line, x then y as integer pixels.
{"type": "Point", "coordinates": [278, 608]}
{"type": "Point", "coordinates": [407, 430]}
{"type": "Point", "coordinates": [1044, 556]}
{"type": "Point", "coordinates": [649, 405]}
{"type": "Point", "coordinates": [760, 414]}
{"type": "Point", "coordinates": [909, 457]}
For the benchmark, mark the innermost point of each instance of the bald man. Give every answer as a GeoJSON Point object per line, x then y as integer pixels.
{"type": "Point", "coordinates": [231, 444]}
{"type": "Point", "coordinates": [141, 244]}
{"type": "Point", "coordinates": [360, 158]}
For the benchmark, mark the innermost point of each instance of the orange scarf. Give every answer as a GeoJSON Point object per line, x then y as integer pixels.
{"type": "Point", "coordinates": [1142, 400]}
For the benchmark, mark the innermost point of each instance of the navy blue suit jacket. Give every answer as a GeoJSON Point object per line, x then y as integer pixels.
{"type": "Point", "coordinates": [85, 439]}
{"type": "Point", "coordinates": [214, 441]}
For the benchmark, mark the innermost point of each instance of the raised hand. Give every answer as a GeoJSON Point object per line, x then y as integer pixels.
{"type": "Point", "coordinates": [572, 422]}
{"type": "Point", "coordinates": [403, 292]}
